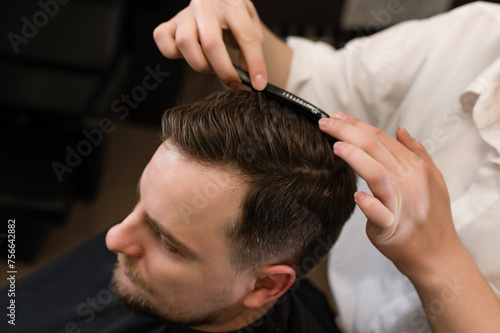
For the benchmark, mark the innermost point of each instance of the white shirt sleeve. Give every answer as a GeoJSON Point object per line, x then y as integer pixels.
{"type": "Point", "coordinates": [371, 76]}
{"type": "Point", "coordinates": [439, 78]}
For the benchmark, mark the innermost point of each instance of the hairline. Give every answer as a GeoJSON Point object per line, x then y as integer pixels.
{"type": "Point", "coordinates": [240, 182]}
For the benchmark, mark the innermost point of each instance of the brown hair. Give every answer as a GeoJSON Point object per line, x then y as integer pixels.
{"type": "Point", "coordinates": [299, 193]}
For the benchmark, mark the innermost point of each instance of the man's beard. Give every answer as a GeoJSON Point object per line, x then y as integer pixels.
{"type": "Point", "coordinates": [140, 303]}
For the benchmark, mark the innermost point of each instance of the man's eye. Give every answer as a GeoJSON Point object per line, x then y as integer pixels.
{"type": "Point", "coordinates": [166, 244]}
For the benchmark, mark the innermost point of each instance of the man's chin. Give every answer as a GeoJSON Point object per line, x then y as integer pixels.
{"type": "Point", "coordinates": [132, 298]}
{"type": "Point", "coordinates": [126, 291]}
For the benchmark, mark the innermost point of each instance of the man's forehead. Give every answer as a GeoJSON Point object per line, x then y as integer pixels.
{"type": "Point", "coordinates": [189, 199]}
{"type": "Point", "coordinates": [168, 163]}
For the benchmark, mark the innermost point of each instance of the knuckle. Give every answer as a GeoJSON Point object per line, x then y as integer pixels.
{"type": "Point", "coordinates": [379, 134]}
{"type": "Point", "coordinates": [200, 66]}
{"type": "Point", "coordinates": [233, 4]}
{"type": "Point", "coordinates": [380, 176]}
{"type": "Point", "coordinates": [425, 173]}
{"type": "Point", "coordinates": [415, 159]}
{"type": "Point", "coordinates": [182, 40]}
{"type": "Point", "coordinates": [226, 76]}
{"type": "Point", "coordinates": [157, 33]}
{"type": "Point", "coordinates": [405, 170]}
{"type": "Point", "coordinates": [165, 42]}
{"type": "Point", "coordinates": [160, 34]}
{"type": "Point", "coordinates": [250, 37]}
{"type": "Point", "coordinates": [198, 3]}
{"type": "Point", "coordinates": [370, 145]}
{"type": "Point", "coordinates": [350, 119]}
{"type": "Point", "coordinates": [210, 41]}
{"type": "Point", "coordinates": [168, 52]}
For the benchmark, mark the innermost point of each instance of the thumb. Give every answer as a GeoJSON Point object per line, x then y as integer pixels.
{"type": "Point", "coordinates": [380, 225]}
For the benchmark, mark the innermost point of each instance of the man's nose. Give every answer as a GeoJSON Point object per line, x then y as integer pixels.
{"type": "Point", "coordinates": [127, 237]}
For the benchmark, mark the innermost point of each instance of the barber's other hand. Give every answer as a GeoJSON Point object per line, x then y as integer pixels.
{"type": "Point", "coordinates": [409, 215]}
{"type": "Point", "coordinates": [196, 34]}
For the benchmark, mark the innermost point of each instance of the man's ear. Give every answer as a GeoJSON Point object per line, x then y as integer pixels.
{"type": "Point", "coordinates": [271, 283]}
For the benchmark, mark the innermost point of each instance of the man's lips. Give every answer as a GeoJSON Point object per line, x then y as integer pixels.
{"type": "Point", "coordinates": [131, 275]}
{"type": "Point", "coordinates": [125, 272]}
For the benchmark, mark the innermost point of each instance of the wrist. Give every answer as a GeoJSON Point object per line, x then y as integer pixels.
{"type": "Point", "coordinates": [439, 266]}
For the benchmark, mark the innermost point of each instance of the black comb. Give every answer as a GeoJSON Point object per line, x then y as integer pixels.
{"type": "Point", "coordinates": [295, 102]}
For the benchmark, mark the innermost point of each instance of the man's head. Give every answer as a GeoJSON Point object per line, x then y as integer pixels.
{"type": "Point", "coordinates": [246, 195]}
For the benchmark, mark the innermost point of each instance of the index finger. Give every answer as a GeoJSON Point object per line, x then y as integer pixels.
{"type": "Point", "coordinates": [247, 32]}
{"type": "Point", "coordinates": [393, 146]}
{"type": "Point", "coordinates": [210, 34]}
{"type": "Point", "coordinates": [393, 156]}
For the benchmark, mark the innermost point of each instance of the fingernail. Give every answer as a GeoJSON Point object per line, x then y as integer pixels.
{"type": "Point", "coordinates": [358, 196]}
{"type": "Point", "coordinates": [339, 145]}
{"type": "Point", "coordinates": [259, 82]}
{"type": "Point", "coordinates": [234, 85]}
{"type": "Point", "coordinates": [404, 131]}
{"type": "Point", "coordinates": [338, 115]}
{"type": "Point", "coordinates": [324, 122]}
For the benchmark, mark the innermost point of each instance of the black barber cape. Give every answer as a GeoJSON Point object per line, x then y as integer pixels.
{"type": "Point", "coordinates": [73, 295]}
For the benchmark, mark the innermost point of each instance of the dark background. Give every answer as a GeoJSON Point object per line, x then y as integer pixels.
{"type": "Point", "coordinates": [75, 62]}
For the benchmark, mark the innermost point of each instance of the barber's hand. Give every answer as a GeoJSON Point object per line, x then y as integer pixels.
{"type": "Point", "coordinates": [196, 34]}
{"type": "Point", "coordinates": [409, 215]}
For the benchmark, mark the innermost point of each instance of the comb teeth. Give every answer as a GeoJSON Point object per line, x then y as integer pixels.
{"type": "Point", "coordinates": [295, 102]}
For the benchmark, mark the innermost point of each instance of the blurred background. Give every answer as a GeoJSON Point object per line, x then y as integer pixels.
{"type": "Point", "coordinates": [82, 90]}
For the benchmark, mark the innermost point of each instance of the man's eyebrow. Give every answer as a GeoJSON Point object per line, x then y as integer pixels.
{"type": "Point", "coordinates": [183, 248]}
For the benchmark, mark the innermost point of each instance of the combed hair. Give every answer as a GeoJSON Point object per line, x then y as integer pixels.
{"type": "Point", "coordinates": [299, 194]}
